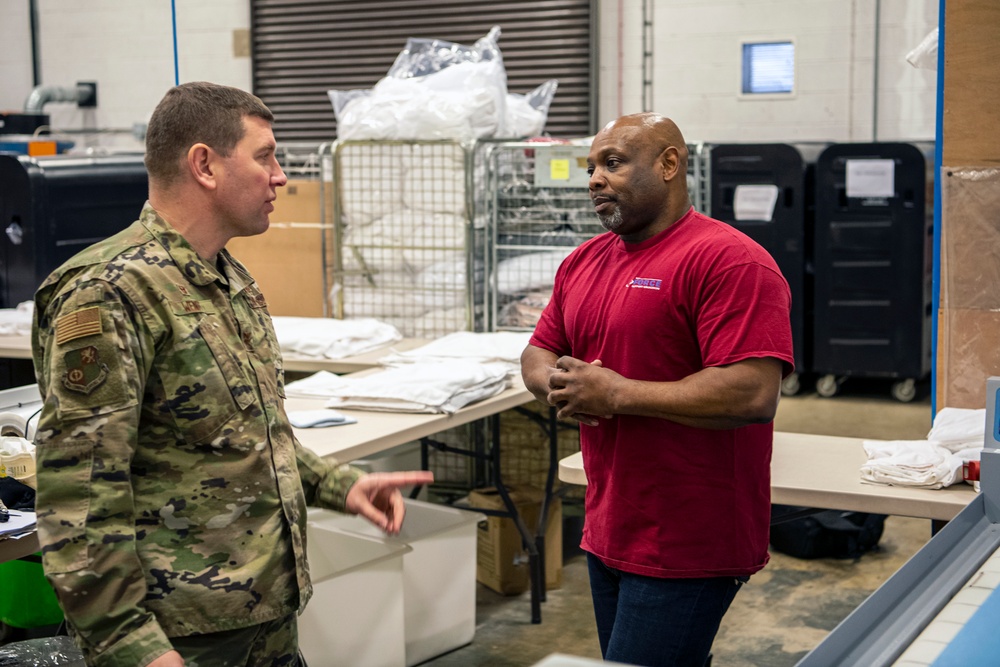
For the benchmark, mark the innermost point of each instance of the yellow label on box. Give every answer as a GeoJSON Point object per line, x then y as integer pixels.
{"type": "Point", "coordinates": [559, 170]}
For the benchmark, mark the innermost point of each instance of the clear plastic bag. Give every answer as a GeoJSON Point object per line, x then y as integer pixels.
{"type": "Point", "coordinates": [57, 651]}
{"type": "Point", "coordinates": [422, 56]}
{"type": "Point", "coordinates": [527, 114]}
{"type": "Point", "coordinates": [442, 90]}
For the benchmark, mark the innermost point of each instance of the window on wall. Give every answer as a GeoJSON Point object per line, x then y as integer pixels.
{"type": "Point", "coordinates": [768, 68]}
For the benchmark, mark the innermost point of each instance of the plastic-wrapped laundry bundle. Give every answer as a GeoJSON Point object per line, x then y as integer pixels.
{"type": "Point", "coordinates": [442, 90]}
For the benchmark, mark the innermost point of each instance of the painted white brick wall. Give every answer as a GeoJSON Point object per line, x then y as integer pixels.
{"type": "Point", "coordinates": [697, 61]}
{"type": "Point", "coordinates": [15, 55]}
{"type": "Point", "coordinates": [126, 46]}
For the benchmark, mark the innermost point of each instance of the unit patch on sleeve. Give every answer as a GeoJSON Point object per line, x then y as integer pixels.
{"type": "Point", "coordinates": [78, 324]}
{"type": "Point", "coordinates": [84, 370]}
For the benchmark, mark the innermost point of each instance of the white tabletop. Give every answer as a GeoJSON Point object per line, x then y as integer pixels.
{"type": "Point", "coordinates": [824, 471]}
{"type": "Point", "coordinates": [15, 347]}
{"type": "Point", "coordinates": [11, 549]}
{"type": "Point", "coordinates": [359, 362]}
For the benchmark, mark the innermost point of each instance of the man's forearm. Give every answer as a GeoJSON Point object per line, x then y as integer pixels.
{"type": "Point", "coordinates": [536, 365]}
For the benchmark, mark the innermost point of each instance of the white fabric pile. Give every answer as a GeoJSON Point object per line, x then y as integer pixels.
{"type": "Point", "coordinates": [17, 321]}
{"type": "Point", "coordinates": [955, 438]}
{"type": "Point", "coordinates": [330, 338]}
{"type": "Point", "coordinates": [502, 347]}
{"type": "Point", "coordinates": [442, 90]}
{"type": "Point", "coordinates": [435, 387]}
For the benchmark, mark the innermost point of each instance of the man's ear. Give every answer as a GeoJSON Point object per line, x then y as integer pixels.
{"type": "Point", "coordinates": [202, 164]}
{"type": "Point", "coordinates": [670, 160]}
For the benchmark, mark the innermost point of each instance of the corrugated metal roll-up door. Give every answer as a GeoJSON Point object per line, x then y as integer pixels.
{"type": "Point", "coordinates": [302, 48]}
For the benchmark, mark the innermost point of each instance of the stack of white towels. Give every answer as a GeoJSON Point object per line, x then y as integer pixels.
{"type": "Point", "coordinates": [955, 438]}
{"type": "Point", "coordinates": [440, 377]}
{"type": "Point", "coordinates": [17, 321]}
{"type": "Point", "coordinates": [332, 339]}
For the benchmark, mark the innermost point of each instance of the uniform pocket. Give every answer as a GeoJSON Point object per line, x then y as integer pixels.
{"type": "Point", "coordinates": [63, 503]}
{"type": "Point", "coordinates": [241, 390]}
{"type": "Point", "coordinates": [203, 385]}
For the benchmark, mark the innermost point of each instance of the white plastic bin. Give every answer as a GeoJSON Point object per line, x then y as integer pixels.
{"type": "Point", "coordinates": [439, 575]}
{"type": "Point", "coordinates": [401, 457]}
{"type": "Point", "coordinates": [355, 616]}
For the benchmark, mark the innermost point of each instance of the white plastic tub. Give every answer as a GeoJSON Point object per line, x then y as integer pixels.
{"type": "Point", "coordinates": [439, 575]}
{"type": "Point", "coordinates": [355, 616]}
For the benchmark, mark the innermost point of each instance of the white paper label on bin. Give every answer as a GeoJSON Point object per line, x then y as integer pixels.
{"type": "Point", "coordinates": [755, 202]}
{"type": "Point", "coordinates": [871, 178]}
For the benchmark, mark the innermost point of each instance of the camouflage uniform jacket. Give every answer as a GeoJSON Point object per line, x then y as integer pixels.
{"type": "Point", "coordinates": [171, 490]}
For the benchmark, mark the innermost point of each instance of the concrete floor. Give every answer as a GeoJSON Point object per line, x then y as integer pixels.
{"type": "Point", "coordinates": [780, 615]}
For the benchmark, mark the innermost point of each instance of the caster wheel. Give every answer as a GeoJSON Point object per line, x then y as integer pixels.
{"type": "Point", "coordinates": [791, 385]}
{"type": "Point", "coordinates": [904, 391]}
{"type": "Point", "coordinates": [827, 386]}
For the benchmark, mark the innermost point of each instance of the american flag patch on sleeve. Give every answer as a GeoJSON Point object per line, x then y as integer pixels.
{"type": "Point", "coordinates": [78, 324]}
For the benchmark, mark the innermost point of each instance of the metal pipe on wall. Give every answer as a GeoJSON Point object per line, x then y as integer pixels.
{"type": "Point", "coordinates": [36, 68]}
{"type": "Point", "coordinates": [878, 27]}
{"type": "Point", "coordinates": [647, 55]}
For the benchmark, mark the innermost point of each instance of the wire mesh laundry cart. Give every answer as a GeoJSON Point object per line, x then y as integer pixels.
{"type": "Point", "coordinates": [536, 200]}
{"type": "Point", "coordinates": [406, 247]}
{"type": "Point", "coordinates": [539, 210]}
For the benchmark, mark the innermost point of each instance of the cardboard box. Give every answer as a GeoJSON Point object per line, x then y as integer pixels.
{"type": "Point", "coordinates": [501, 560]}
{"type": "Point", "coordinates": [287, 260]}
{"type": "Point", "coordinates": [967, 355]}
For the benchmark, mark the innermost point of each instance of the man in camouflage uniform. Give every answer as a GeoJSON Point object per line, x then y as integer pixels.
{"type": "Point", "coordinates": [171, 490]}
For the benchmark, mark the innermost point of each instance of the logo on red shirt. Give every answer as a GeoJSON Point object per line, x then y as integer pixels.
{"type": "Point", "coordinates": [645, 283]}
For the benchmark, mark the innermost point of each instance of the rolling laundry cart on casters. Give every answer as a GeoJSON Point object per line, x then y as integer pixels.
{"type": "Point", "coordinates": [872, 289]}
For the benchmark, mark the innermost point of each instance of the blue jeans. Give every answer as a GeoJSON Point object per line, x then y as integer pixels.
{"type": "Point", "coordinates": [653, 622]}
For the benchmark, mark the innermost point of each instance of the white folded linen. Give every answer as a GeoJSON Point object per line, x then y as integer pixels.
{"type": "Point", "coordinates": [17, 321]}
{"type": "Point", "coordinates": [438, 387]}
{"type": "Point", "coordinates": [500, 347]}
{"type": "Point", "coordinates": [958, 428]}
{"type": "Point", "coordinates": [917, 463]}
{"type": "Point", "coordinates": [330, 338]}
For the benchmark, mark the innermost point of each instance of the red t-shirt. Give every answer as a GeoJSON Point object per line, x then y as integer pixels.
{"type": "Point", "coordinates": [664, 499]}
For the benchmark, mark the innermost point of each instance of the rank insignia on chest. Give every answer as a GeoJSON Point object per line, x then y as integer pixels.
{"type": "Point", "coordinates": [78, 324]}
{"type": "Point", "coordinates": [84, 370]}
{"type": "Point", "coordinates": [256, 299]}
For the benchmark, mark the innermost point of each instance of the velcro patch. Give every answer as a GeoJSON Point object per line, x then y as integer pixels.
{"type": "Point", "coordinates": [84, 370]}
{"type": "Point", "coordinates": [78, 324]}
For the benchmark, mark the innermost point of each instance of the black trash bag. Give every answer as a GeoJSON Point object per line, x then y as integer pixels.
{"type": "Point", "coordinates": [825, 534]}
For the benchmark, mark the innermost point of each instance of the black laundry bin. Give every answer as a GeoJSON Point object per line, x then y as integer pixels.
{"type": "Point", "coordinates": [873, 265]}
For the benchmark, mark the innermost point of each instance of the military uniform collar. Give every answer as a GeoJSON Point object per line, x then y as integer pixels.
{"type": "Point", "coordinates": [194, 268]}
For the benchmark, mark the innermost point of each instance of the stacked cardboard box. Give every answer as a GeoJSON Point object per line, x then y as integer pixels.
{"type": "Point", "coordinates": [501, 559]}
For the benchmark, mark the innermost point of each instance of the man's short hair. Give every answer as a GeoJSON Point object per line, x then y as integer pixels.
{"type": "Point", "coordinates": [197, 112]}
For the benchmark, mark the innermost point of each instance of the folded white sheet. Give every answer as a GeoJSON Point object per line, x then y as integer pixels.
{"type": "Point", "coordinates": [917, 463]}
{"type": "Point", "coordinates": [17, 321]}
{"type": "Point", "coordinates": [439, 387]}
{"type": "Point", "coordinates": [955, 438]}
{"type": "Point", "coordinates": [333, 339]}
{"type": "Point", "coordinates": [497, 347]}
